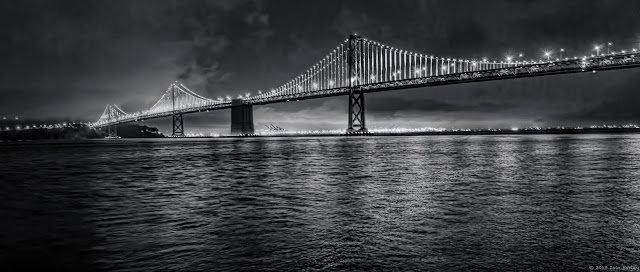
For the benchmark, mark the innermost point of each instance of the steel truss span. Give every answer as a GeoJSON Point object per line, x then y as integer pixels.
{"type": "Point", "coordinates": [358, 66]}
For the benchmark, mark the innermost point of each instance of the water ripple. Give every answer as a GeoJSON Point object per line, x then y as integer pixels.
{"type": "Point", "coordinates": [520, 203]}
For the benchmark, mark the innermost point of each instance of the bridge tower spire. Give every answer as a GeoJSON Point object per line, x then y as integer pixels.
{"type": "Point", "coordinates": [356, 99]}
{"type": "Point", "coordinates": [177, 124]}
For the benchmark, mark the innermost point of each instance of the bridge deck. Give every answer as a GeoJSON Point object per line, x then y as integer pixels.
{"type": "Point", "coordinates": [610, 62]}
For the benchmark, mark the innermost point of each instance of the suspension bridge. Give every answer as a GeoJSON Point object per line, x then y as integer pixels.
{"type": "Point", "coordinates": [355, 67]}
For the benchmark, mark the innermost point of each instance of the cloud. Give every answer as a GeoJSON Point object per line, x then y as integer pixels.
{"type": "Point", "coordinates": [210, 32]}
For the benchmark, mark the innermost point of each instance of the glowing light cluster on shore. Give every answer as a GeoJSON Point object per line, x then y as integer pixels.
{"type": "Point", "coordinates": [383, 131]}
{"type": "Point", "coordinates": [21, 127]}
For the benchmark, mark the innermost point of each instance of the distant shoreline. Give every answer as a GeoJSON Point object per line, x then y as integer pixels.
{"type": "Point", "coordinates": [453, 133]}
{"type": "Point", "coordinates": [403, 134]}
{"type": "Point", "coordinates": [518, 132]}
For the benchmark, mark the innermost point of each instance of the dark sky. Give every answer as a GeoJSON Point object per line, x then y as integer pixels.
{"type": "Point", "coordinates": [68, 59]}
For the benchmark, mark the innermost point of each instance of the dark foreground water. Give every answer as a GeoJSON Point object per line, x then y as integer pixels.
{"type": "Point", "coordinates": [447, 203]}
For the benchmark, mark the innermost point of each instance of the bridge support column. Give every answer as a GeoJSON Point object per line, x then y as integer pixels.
{"type": "Point", "coordinates": [241, 118]}
{"type": "Point", "coordinates": [113, 133]}
{"type": "Point", "coordinates": [356, 100]}
{"type": "Point", "coordinates": [356, 113]}
{"type": "Point", "coordinates": [178, 127]}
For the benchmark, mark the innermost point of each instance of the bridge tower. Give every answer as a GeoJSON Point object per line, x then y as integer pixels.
{"type": "Point", "coordinates": [113, 133]}
{"type": "Point", "coordinates": [241, 118]}
{"type": "Point", "coordinates": [178, 130]}
{"type": "Point", "coordinates": [356, 100]}
{"type": "Point", "coordinates": [177, 124]}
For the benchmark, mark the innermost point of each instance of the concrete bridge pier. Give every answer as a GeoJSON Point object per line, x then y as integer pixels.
{"type": "Point", "coordinates": [241, 118]}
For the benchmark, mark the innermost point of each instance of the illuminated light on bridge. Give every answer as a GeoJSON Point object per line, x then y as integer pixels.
{"type": "Point", "coordinates": [597, 48]}
{"type": "Point", "coordinates": [356, 67]}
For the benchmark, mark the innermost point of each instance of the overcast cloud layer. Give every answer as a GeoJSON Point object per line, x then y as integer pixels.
{"type": "Point", "coordinates": [68, 59]}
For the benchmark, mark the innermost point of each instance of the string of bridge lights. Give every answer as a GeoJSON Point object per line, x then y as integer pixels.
{"type": "Point", "coordinates": [301, 84]}
{"type": "Point", "coordinates": [374, 63]}
{"type": "Point", "coordinates": [176, 97]}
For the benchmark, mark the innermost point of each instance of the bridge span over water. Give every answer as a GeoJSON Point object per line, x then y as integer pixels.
{"type": "Point", "coordinates": [355, 67]}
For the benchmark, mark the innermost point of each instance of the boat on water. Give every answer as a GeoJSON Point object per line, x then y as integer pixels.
{"type": "Point", "coordinates": [112, 137]}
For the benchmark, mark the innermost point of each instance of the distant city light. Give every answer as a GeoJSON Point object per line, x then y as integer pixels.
{"type": "Point", "coordinates": [548, 55]}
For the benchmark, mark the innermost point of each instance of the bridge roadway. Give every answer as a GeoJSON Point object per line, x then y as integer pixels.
{"type": "Point", "coordinates": [567, 66]}
{"type": "Point", "coordinates": [602, 63]}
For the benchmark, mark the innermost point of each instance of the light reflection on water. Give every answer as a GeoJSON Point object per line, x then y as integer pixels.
{"type": "Point", "coordinates": [518, 202]}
